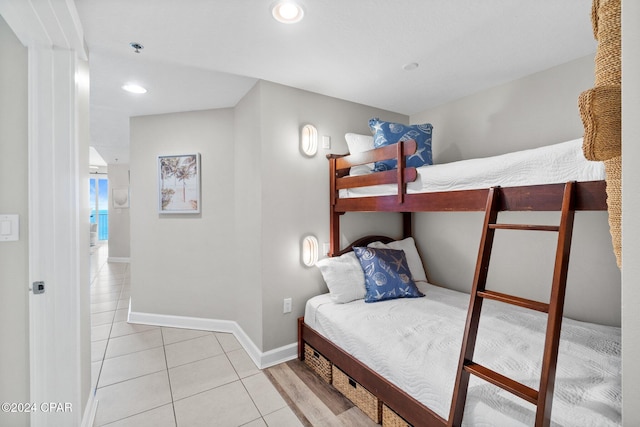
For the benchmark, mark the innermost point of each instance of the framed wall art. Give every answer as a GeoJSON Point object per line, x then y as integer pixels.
{"type": "Point", "coordinates": [179, 184]}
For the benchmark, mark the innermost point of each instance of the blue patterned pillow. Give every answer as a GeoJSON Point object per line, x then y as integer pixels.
{"type": "Point", "coordinates": [386, 133]}
{"type": "Point", "coordinates": [386, 274]}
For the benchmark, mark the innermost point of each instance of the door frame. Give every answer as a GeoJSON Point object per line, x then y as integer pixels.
{"type": "Point", "coordinates": [58, 236]}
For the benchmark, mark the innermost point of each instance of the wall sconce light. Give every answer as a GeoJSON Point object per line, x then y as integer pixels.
{"type": "Point", "coordinates": [309, 140]}
{"type": "Point", "coordinates": [309, 250]}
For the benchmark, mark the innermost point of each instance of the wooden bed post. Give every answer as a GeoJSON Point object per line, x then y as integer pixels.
{"type": "Point", "coordinates": [401, 165]}
{"type": "Point", "coordinates": [334, 231]}
{"type": "Point", "coordinates": [300, 340]}
{"type": "Point", "coordinates": [334, 217]}
{"type": "Point", "coordinates": [407, 225]}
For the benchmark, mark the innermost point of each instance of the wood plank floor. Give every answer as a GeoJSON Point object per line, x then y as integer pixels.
{"type": "Point", "coordinates": [315, 402]}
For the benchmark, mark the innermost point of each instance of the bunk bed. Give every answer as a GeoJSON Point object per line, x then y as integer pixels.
{"type": "Point", "coordinates": [385, 397]}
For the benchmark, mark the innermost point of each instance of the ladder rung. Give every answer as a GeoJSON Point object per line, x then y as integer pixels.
{"type": "Point", "coordinates": [541, 398]}
{"type": "Point", "coordinates": [513, 300]}
{"type": "Point", "coordinates": [512, 386]}
{"type": "Point", "coordinates": [526, 227]}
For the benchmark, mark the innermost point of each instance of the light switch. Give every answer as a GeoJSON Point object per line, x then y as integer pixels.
{"type": "Point", "coordinates": [9, 228]}
{"type": "Point", "coordinates": [326, 142]}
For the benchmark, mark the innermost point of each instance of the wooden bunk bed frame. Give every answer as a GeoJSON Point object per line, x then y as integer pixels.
{"type": "Point", "coordinates": [567, 198]}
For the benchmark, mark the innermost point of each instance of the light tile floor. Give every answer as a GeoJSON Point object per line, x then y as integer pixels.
{"type": "Point", "coordinates": [155, 376]}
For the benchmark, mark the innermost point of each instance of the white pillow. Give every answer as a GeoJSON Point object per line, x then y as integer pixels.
{"type": "Point", "coordinates": [357, 144]}
{"type": "Point", "coordinates": [344, 277]}
{"type": "Point", "coordinates": [408, 245]}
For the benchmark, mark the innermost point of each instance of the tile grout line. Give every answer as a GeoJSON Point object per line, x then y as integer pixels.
{"type": "Point", "coordinates": [105, 358]}
{"type": "Point", "coordinates": [120, 282]}
{"type": "Point", "coordinates": [241, 382]}
{"type": "Point", "coordinates": [104, 355]}
{"type": "Point", "coordinates": [166, 364]}
{"type": "Point", "coordinates": [93, 281]}
{"type": "Point", "coordinates": [108, 337]}
{"type": "Point", "coordinates": [124, 283]}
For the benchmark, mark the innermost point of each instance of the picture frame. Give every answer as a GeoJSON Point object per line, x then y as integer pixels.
{"type": "Point", "coordinates": [120, 197]}
{"type": "Point", "coordinates": [179, 184]}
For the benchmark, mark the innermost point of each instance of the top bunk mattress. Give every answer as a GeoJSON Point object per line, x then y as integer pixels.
{"type": "Point", "coordinates": [415, 344]}
{"type": "Point", "coordinates": [557, 163]}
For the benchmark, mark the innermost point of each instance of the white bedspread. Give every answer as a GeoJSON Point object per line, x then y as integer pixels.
{"type": "Point", "coordinates": [415, 343]}
{"type": "Point", "coordinates": [556, 163]}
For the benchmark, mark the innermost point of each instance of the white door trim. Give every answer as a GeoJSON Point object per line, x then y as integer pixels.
{"type": "Point", "coordinates": [59, 339]}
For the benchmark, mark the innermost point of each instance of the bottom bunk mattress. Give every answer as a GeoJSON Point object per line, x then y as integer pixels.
{"type": "Point", "coordinates": [415, 344]}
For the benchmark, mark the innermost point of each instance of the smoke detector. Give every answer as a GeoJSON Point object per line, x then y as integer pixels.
{"type": "Point", "coordinates": [136, 46]}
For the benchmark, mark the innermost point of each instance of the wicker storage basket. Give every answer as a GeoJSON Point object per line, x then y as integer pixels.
{"type": "Point", "coordinates": [601, 114]}
{"type": "Point", "coordinates": [601, 111]}
{"type": "Point", "coordinates": [360, 396]}
{"type": "Point", "coordinates": [613, 169]}
{"type": "Point", "coordinates": [606, 19]}
{"type": "Point", "coordinates": [391, 419]}
{"type": "Point", "coordinates": [317, 362]}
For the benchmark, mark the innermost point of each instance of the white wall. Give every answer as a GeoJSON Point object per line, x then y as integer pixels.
{"type": "Point", "coordinates": [182, 264]}
{"type": "Point", "coordinates": [240, 258]}
{"type": "Point", "coordinates": [630, 212]}
{"type": "Point", "coordinates": [14, 304]}
{"type": "Point", "coordinates": [119, 220]}
{"type": "Point", "coordinates": [247, 256]}
{"type": "Point", "coordinates": [295, 198]}
{"type": "Point", "coordinates": [537, 110]}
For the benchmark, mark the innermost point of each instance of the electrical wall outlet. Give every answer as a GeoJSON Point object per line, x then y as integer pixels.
{"type": "Point", "coordinates": [286, 307]}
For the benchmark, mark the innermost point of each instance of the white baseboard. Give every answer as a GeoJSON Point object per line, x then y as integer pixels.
{"type": "Point", "coordinates": [119, 259]}
{"type": "Point", "coordinates": [90, 410]}
{"type": "Point", "coordinates": [279, 355]}
{"type": "Point", "coordinates": [261, 359]}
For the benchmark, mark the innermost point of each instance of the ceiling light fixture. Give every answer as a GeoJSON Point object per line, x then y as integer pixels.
{"type": "Point", "coordinates": [287, 11]}
{"type": "Point", "coordinates": [134, 88]}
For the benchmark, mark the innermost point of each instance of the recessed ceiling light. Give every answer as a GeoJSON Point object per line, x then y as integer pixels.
{"type": "Point", "coordinates": [133, 88]}
{"type": "Point", "coordinates": [287, 11]}
{"type": "Point", "coordinates": [410, 66]}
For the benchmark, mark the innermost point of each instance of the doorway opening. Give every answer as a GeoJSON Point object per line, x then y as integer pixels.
{"type": "Point", "coordinates": [99, 201]}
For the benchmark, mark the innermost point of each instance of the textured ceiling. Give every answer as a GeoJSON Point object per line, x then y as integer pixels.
{"type": "Point", "coordinates": [208, 53]}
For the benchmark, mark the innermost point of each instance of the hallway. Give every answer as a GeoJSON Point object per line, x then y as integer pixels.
{"type": "Point", "coordinates": [157, 376]}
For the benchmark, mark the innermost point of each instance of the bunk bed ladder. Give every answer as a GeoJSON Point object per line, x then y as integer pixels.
{"type": "Point", "coordinates": [542, 397]}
